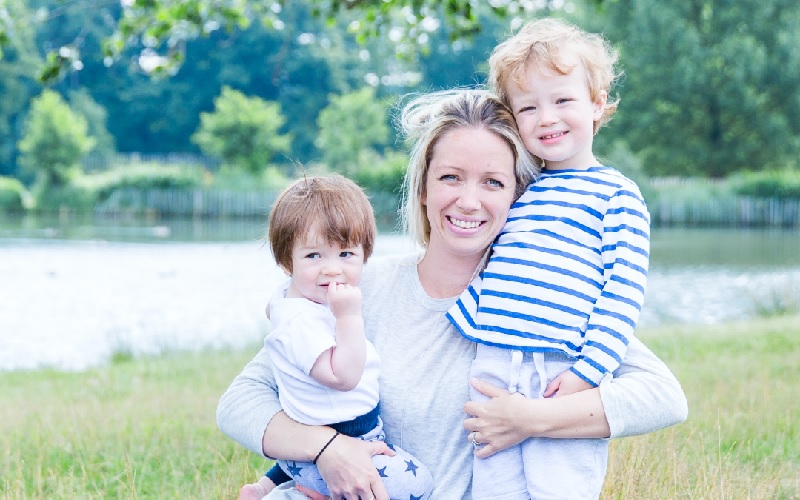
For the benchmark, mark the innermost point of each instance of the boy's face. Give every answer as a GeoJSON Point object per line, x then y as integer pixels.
{"type": "Point", "coordinates": [317, 263]}
{"type": "Point", "coordinates": [556, 116]}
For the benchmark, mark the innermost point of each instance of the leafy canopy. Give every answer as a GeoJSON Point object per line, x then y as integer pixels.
{"type": "Point", "coordinates": [159, 29]}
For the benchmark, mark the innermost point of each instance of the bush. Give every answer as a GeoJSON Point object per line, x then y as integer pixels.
{"type": "Point", "coordinates": [780, 184]}
{"type": "Point", "coordinates": [236, 179]}
{"type": "Point", "coordinates": [13, 196]}
{"type": "Point", "coordinates": [141, 176]}
{"type": "Point", "coordinates": [381, 173]}
{"type": "Point", "coordinates": [73, 197]}
{"type": "Point", "coordinates": [624, 160]}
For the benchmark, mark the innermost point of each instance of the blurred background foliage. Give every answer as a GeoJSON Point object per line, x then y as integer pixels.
{"type": "Point", "coordinates": [257, 90]}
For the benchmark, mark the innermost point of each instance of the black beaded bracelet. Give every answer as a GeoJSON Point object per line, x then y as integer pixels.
{"type": "Point", "coordinates": [324, 447]}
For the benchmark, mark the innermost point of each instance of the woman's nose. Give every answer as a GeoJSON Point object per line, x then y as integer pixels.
{"type": "Point", "coordinates": [468, 199]}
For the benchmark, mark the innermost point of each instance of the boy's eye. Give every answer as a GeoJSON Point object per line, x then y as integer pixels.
{"type": "Point", "coordinates": [563, 100]}
{"type": "Point", "coordinates": [346, 253]}
{"type": "Point", "coordinates": [313, 255]}
{"type": "Point", "coordinates": [526, 109]}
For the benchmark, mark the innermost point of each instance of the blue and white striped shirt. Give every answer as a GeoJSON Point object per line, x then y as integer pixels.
{"type": "Point", "coordinates": [567, 272]}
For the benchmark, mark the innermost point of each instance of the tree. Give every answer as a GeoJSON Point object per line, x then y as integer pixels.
{"type": "Point", "coordinates": [54, 140]}
{"type": "Point", "coordinates": [96, 118]}
{"type": "Point", "coordinates": [710, 86]}
{"type": "Point", "coordinates": [242, 131]}
{"type": "Point", "coordinates": [158, 30]}
{"type": "Point", "coordinates": [350, 124]}
{"type": "Point", "coordinates": [18, 66]}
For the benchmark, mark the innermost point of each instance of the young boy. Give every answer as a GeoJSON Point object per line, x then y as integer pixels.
{"type": "Point", "coordinates": [321, 232]}
{"type": "Point", "coordinates": [558, 301]}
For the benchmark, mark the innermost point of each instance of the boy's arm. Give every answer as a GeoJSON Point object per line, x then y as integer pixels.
{"type": "Point", "coordinates": [566, 382]}
{"type": "Point", "coordinates": [341, 366]}
{"type": "Point", "coordinates": [626, 255]}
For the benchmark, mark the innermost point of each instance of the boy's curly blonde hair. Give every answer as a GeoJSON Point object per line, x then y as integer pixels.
{"type": "Point", "coordinates": [552, 44]}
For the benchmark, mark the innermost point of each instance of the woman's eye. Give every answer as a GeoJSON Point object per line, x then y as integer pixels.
{"type": "Point", "coordinates": [448, 178]}
{"type": "Point", "coordinates": [495, 183]}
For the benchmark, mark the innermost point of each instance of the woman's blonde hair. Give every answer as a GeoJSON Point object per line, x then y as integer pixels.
{"type": "Point", "coordinates": [553, 44]}
{"type": "Point", "coordinates": [428, 117]}
{"type": "Point", "coordinates": [334, 205]}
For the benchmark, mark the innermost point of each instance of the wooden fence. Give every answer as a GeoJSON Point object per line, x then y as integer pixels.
{"type": "Point", "coordinates": [208, 203]}
{"type": "Point", "coordinates": [726, 212]}
{"type": "Point", "coordinates": [211, 203]}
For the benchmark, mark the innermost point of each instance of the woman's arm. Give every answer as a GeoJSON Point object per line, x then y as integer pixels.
{"type": "Point", "coordinates": [249, 404]}
{"type": "Point", "coordinates": [644, 396]}
{"type": "Point", "coordinates": [250, 413]}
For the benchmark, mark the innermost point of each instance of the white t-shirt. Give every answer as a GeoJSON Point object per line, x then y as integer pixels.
{"type": "Point", "coordinates": [425, 382]}
{"type": "Point", "coordinates": [301, 331]}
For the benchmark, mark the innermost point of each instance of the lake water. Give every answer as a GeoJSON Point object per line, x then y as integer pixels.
{"type": "Point", "coordinates": [73, 293]}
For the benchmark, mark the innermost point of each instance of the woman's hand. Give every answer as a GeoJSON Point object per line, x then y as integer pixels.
{"type": "Point", "coordinates": [495, 424]}
{"type": "Point", "coordinates": [348, 471]}
{"type": "Point", "coordinates": [508, 419]}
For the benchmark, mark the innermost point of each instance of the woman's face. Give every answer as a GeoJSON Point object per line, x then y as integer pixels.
{"type": "Point", "coordinates": [469, 189]}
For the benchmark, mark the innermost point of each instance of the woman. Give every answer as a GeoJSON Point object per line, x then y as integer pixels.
{"type": "Point", "coordinates": [467, 167]}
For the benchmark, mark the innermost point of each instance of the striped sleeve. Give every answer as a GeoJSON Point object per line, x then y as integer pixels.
{"type": "Point", "coordinates": [625, 256]}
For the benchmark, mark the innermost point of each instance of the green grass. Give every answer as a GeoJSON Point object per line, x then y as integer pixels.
{"type": "Point", "coordinates": [141, 429]}
{"type": "Point", "coordinates": [145, 428]}
{"type": "Point", "coordinates": [742, 437]}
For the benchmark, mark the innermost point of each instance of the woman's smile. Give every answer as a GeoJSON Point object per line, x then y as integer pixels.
{"type": "Point", "coordinates": [469, 189]}
{"type": "Point", "coordinates": [464, 224]}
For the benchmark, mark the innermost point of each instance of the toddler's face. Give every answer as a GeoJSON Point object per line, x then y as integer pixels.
{"type": "Point", "coordinates": [316, 263]}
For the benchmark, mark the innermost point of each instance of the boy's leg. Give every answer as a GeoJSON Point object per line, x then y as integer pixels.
{"type": "Point", "coordinates": [565, 468]}
{"type": "Point", "coordinates": [501, 475]}
{"type": "Point", "coordinates": [257, 491]}
{"type": "Point", "coordinates": [305, 474]}
{"type": "Point", "coordinates": [267, 483]}
{"type": "Point", "coordinates": [402, 474]}
{"type": "Point", "coordinates": [560, 468]}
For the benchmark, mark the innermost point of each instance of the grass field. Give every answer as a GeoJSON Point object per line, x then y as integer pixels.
{"type": "Point", "coordinates": [146, 428]}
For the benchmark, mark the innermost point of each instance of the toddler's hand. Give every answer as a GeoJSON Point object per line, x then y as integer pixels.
{"type": "Point", "coordinates": [344, 300]}
{"type": "Point", "coordinates": [566, 383]}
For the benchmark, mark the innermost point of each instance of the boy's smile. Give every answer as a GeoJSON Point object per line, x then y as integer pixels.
{"type": "Point", "coordinates": [556, 116]}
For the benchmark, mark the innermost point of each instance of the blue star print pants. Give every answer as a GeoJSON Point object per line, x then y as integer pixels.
{"type": "Point", "coordinates": [403, 475]}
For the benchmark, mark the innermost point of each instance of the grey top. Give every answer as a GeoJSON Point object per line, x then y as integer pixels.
{"type": "Point", "coordinates": [424, 381]}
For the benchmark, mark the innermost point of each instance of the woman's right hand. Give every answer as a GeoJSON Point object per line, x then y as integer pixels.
{"type": "Point", "coordinates": [348, 471]}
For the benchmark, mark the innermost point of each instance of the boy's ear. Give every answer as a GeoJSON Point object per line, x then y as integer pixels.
{"type": "Point", "coordinates": [600, 105]}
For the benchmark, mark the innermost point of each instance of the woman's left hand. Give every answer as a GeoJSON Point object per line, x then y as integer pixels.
{"type": "Point", "coordinates": [495, 424]}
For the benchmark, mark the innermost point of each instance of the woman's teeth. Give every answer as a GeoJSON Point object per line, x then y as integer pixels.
{"type": "Point", "coordinates": [464, 224]}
